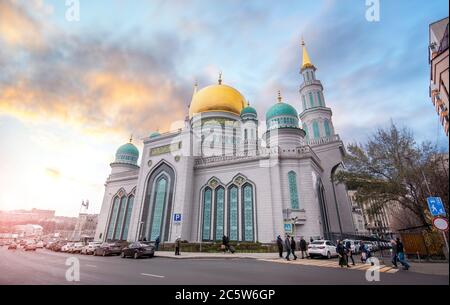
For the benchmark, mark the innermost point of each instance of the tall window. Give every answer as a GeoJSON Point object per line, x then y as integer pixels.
{"type": "Point", "coordinates": [118, 230]}
{"type": "Point", "coordinates": [207, 198]}
{"type": "Point", "coordinates": [292, 177]}
{"type": "Point", "coordinates": [159, 206]}
{"type": "Point", "coordinates": [112, 218]}
{"type": "Point", "coordinates": [127, 217]}
{"type": "Point", "coordinates": [247, 217]}
{"type": "Point", "coordinates": [311, 99]}
{"type": "Point", "coordinates": [319, 98]}
{"type": "Point", "coordinates": [326, 126]}
{"type": "Point", "coordinates": [233, 212]}
{"type": "Point", "coordinates": [220, 213]}
{"type": "Point", "coordinates": [315, 126]}
{"type": "Point", "coordinates": [304, 102]}
{"type": "Point", "coordinates": [305, 128]}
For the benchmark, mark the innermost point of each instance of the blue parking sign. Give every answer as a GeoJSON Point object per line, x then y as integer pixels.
{"type": "Point", "coordinates": [177, 217]}
{"type": "Point", "coordinates": [436, 206]}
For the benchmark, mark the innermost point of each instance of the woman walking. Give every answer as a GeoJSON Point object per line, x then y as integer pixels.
{"type": "Point", "coordinates": [340, 249]}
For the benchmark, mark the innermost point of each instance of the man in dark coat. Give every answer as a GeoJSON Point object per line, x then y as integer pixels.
{"type": "Point", "coordinates": [287, 244]}
{"type": "Point", "coordinates": [303, 248]}
{"type": "Point", "coordinates": [177, 245]}
{"type": "Point", "coordinates": [280, 245]}
{"type": "Point", "coordinates": [293, 247]}
{"type": "Point", "coordinates": [340, 249]}
{"type": "Point", "coordinates": [157, 241]}
{"type": "Point", "coordinates": [401, 254]}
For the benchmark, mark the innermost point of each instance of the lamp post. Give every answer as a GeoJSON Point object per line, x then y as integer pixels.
{"type": "Point", "coordinates": [333, 170]}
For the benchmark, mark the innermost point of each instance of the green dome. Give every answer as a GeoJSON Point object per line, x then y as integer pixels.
{"type": "Point", "coordinates": [281, 109]}
{"type": "Point", "coordinates": [127, 153]}
{"type": "Point", "coordinates": [248, 110]}
{"type": "Point", "coordinates": [154, 134]}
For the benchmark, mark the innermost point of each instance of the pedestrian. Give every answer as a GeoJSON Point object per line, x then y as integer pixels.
{"type": "Point", "coordinates": [293, 247]}
{"type": "Point", "coordinates": [224, 244]}
{"type": "Point", "coordinates": [311, 239]}
{"type": "Point", "coordinates": [287, 244]}
{"type": "Point", "coordinates": [348, 248]}
{"type": "Point", "coordinates": [363, 250]}
{"type": "Point", "coordinates": [280, 246]}
{"type": "Point", "coordinates": [303, 248]}
{"type": "Point", "coordinates": [401, 254]}
{"type": "Point", "coordinates": [177, 245]}
{"type": "Point", "coordinates": [157, 241]}
{"type": "Point", "coordinates": [394, 253]}
{"type": "Point", "coordinates": [340, 249]}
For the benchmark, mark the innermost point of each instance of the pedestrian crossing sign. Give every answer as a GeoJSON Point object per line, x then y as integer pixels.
{"type": "Point", "coordinates": [288, 227]}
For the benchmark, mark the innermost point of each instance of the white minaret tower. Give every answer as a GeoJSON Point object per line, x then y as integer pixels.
{"type": "Point", "coordinates": [315, 115]}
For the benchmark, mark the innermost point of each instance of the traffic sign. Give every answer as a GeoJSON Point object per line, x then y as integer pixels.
{"type": "Point", "coordinates": [177, 217]}
{"type": "Point", "coordinates": [436, 206]}
{"type": "Point", "coordinates": [440, 223]}
{"type": "Point", "coordinates": [288, 227]}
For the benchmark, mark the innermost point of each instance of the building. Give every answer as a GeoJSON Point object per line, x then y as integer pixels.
{"type": "Point", "coordinates": [358, 215]}
{"type": "Point", "coordinates": [28, 230]}
{"type": "Point", "coordinates": [438, 58]}
{"type": "Point", "coordinates": [219, 175]}
{"type": "Point", "coordinates": [85, 226]}
{"type": "Point", "coordinates": [33, 215]}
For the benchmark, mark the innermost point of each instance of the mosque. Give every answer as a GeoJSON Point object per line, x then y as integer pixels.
{"type": "Point", "coordinates": [221, 175]}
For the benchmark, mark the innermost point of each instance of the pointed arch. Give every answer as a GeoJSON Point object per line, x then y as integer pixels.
{"type": "Point", "coordinates": [293, 190]}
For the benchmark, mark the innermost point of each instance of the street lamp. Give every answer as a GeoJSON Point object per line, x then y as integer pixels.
{"type": "Point", "coordinates": [333, 170]}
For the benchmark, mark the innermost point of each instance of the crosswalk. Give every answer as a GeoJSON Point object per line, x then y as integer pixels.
{"type": "Point", "coordinates": [330, 264]}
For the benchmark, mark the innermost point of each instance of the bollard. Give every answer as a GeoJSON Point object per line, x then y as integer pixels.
{"type": "Point", "coordinates": [418, 256]}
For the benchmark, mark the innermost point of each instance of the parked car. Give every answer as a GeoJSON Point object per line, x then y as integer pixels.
{"type": "Point", "coordinates": [40, 244]}
{"type": "Point", "coordinates": [90, 247]}
{"type": "Point", "coordinates": [76, 247]}
{"type": "Point", "coordinates": [323, 248]}
{"type": "Point", "coordinates": [108, 249]}
{"type": "Point", "coordinates": [12, 246]}
{"type": "Point", "coordinates": [57, 246]}
{"type": "Point", "coordinates": [354, 245]}
{"type": "Point", "coordinates": [138, 249]}
{"type": "Point", "coordinates": [30, 246]}
{"type": "Point", "coordinates": [2, 243]}
{"type": "Point", "coordinates": [66, 247]}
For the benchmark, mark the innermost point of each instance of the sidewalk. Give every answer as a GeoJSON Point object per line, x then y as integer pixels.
{"type": "Point", "coordinates": [200, 255]}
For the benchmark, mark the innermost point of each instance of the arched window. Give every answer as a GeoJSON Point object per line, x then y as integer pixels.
{"type": "Point", "coordinates": [304, 102]}
{"type": "Point", "coordinates": [305, 128]}
{"type": "Point", "coordinates": [159, 207]}
{"type": "Point", "coordinates": [247, 213]}
{"type": "Point", "coordinates": [315, 126]}
{"type": "Point", "coordinates": [119, 222]}
{"type": "Point", "coordinates": [219, 213]}
{"type": "Point", "coordinates": [112, 218]}
{"type": "Point", "coordinates": [292, 177]}
{"type": "Point", "coordinates": [233, 212]}
{"type": "Point", "coordinates": [127, 217]}
{"type": "Point", "coordinates": [311, 99]}
{"type": "Point", "coordinates": [319, 98]}
{"type": "Point", "coordinates": [207, 202]}
{"type": "Point", "coordinates": [326, 125]}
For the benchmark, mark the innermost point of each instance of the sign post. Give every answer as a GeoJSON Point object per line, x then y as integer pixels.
{"type": "Point", "coordinates": [441, 224]}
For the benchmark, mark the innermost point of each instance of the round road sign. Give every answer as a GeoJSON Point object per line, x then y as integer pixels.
{"type": "Point", "coordinates": [440, 223]}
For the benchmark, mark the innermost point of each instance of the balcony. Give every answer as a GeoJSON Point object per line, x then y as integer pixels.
{"type": "Point", "coordinates": [323, 140]}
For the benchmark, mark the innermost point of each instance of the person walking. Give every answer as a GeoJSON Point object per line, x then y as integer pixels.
{"type": "Point", "coordinates": [363, 250]}
{"type": "Point", "coordinates": [303, 248]}
{"type": "Point", "coordinates": [280, 246]}
{"type": "Point", "coordinates": [287, 244]}
{"type": "Point", "coordinates": [394, 253]}
{"type": "Point", "coordinates": [293, 247]}
{"type": "Point", "coordinates": [401, 254]}
{"type": "Point", "coordinates": [157, 241]}
{"type": "Point", "coordinates": [340, 249]}
{"type": "Point", "coordinates": [224, 243]}
{"type": "Point", "coordinates": [177, 245]}
{"type": "Point", "coordinates": [349, 252]}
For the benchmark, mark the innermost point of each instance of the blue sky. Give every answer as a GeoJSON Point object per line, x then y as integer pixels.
{"type": "Point", "coordinates": [72, 92]}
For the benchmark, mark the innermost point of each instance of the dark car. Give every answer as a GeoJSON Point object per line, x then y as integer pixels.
{"type": "Point", "coordinates": [12, 246]}
{"type": "Point", "coordinates": [138, 249]}
{"type": "Point", "coordinates": [109, 249]}
{"type": "Point", "coordinates": [56, 246]}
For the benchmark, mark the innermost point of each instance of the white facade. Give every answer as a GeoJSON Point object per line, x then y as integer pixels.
{"type": "Point", "coordinates": [234, 183]}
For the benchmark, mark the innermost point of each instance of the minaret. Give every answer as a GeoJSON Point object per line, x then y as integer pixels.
{"type": "Point", "coordinates": [315, 116]}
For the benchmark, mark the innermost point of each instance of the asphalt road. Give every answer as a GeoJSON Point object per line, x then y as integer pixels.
{"type": "Point", "coordinates": [46, 267]}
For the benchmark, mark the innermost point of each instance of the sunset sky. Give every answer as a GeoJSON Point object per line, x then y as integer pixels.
{"type": "Point", "coordinates": [72, 92]}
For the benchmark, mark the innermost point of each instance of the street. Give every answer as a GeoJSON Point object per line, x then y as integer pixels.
{"type": "Point", "coordinates": [46, 267]}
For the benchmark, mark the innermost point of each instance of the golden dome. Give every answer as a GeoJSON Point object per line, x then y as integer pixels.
{"type": "Point", "coordinates": [217, 98]}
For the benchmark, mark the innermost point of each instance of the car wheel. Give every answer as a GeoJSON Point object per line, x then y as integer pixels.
{"type": "Point", "coordinates": [122, 255]}
{"type": "Point", "coordinates": [136, 255]}
{"type": "Point", "coordinates": [328, 255]}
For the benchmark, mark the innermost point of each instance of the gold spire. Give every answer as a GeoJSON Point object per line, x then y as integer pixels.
{"type": "Point", "coordinates": [220, 78]}
{"type": "Point", "coordinates": [279, 98]}
{"type": "Point", "coordinates": [306, 62]}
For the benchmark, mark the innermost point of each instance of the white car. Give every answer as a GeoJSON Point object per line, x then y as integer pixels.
{"type": "Point", "coordinates": [76, 248]}
{"type": "Point", "coordinates": [66, 247]}
{"type": "Point", "coordinates": [90, 247]}
{"type": "Point", "coordinates": [40, 244]}
{"type": "Point", "coordinates": [354, 245]}
{"type": "Point", "coordinates": [324, 248]}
